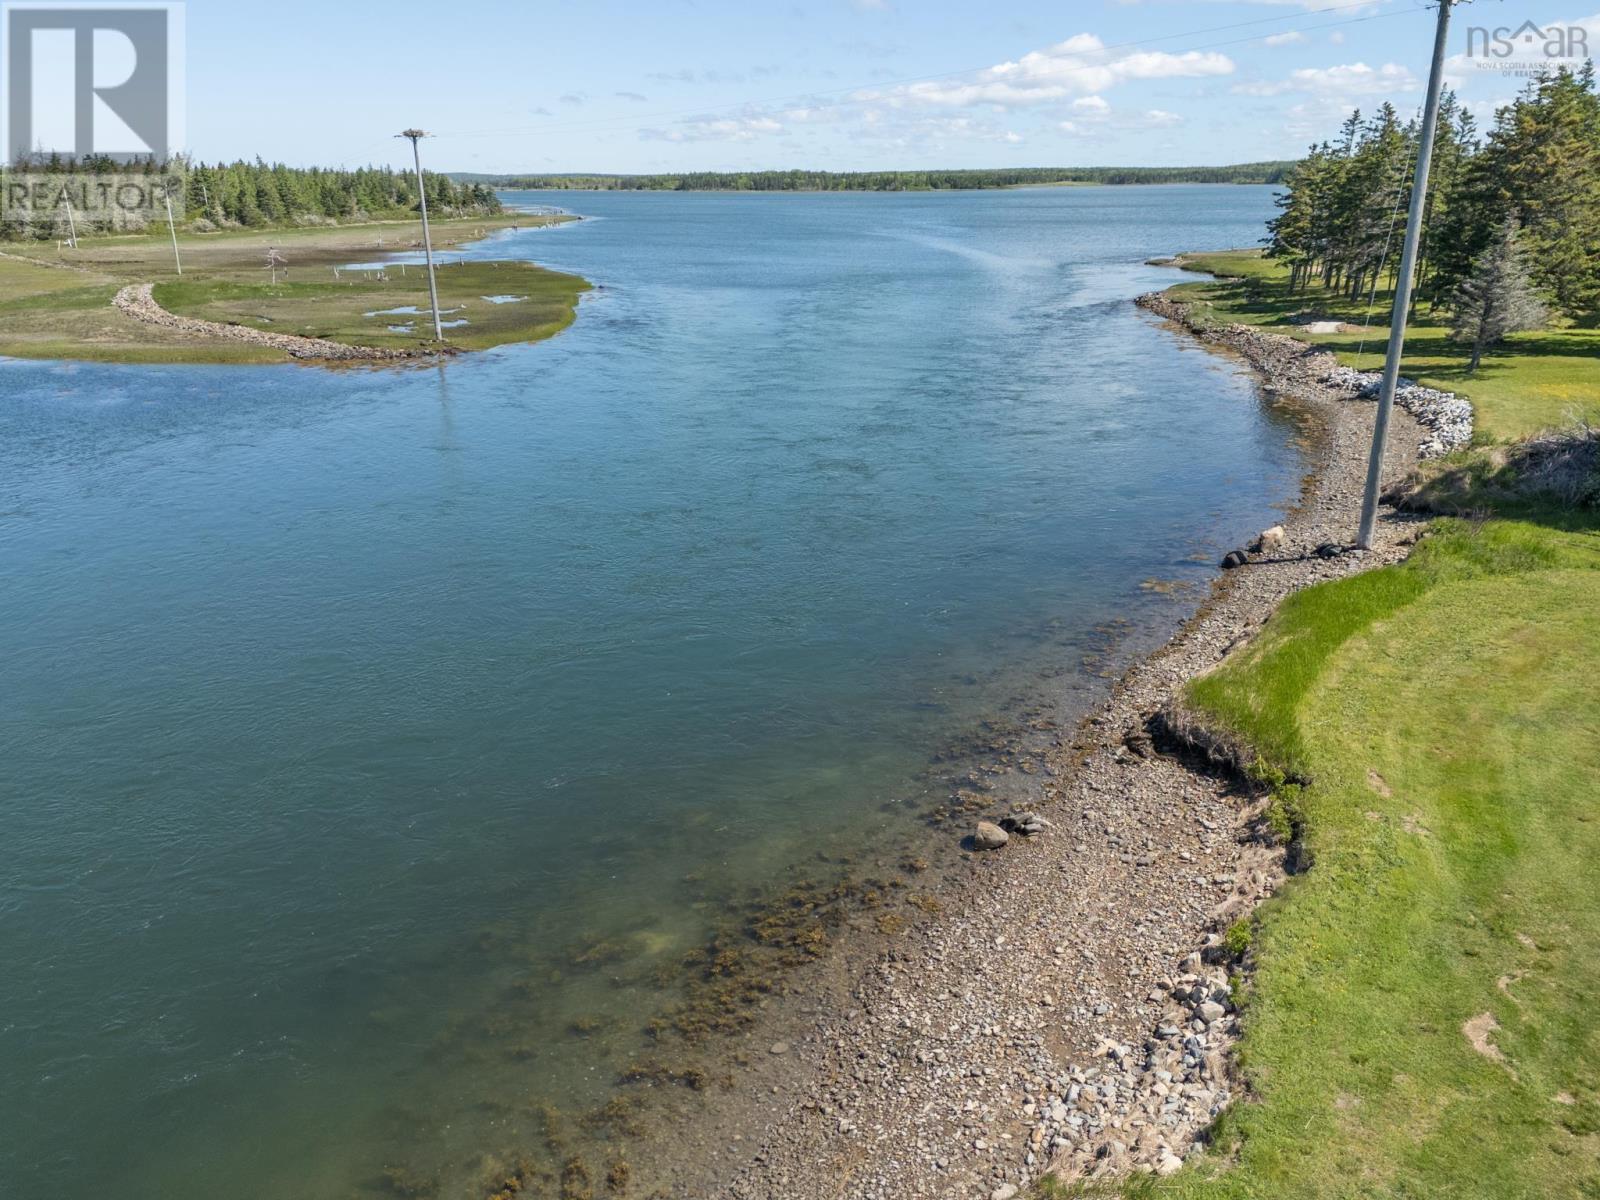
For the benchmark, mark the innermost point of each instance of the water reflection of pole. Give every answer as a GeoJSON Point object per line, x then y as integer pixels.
{"type": "Point", "coordinates": [450, 483]}
{"type": "Point", "coordinates": [444, 390]}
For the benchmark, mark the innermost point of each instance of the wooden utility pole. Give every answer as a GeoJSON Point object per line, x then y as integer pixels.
{"type": "Point", "coordinates": [1403, 284]}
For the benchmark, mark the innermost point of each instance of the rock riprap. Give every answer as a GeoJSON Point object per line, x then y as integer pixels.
{"type": "Point", "coordinates": [1446, 416]}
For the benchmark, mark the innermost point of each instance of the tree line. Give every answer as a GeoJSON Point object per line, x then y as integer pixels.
{"type": "Point", "coordinates": [258, 194]}
{"type": "Point", "coordinates": [1511, 219]}
{"type": "Point", "coordinates": [891, 181]}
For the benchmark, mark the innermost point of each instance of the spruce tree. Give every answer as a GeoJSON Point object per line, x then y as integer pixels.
{"type": "Point", "coordinates": [1498, 298]}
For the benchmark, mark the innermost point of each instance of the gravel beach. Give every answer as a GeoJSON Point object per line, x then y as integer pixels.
{"type": "Point", "coordinates": [1059, 1012]}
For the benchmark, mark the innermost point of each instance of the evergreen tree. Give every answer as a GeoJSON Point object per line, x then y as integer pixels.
{"type": "Point", "coordinates": [1498, 298]}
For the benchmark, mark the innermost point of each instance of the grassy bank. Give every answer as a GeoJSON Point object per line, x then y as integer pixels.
{"type": "Point", "coordinates": [56, 303]}
{"type": "Point", "coordinates": [1419, 1012]}
{"type": "Point", "coordinates": [1420, 1019]}
{"type": "Point", "coordinates": [1538, 380]}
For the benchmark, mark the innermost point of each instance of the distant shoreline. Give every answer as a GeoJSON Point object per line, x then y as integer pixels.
{"type": "Point", "coordinates": [864, 191]}
{"type": "Point", "coordinates": [963, 180]}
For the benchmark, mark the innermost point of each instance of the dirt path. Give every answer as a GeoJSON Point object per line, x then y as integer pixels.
{"type": "Point", "coordinates": [137, 301]}
{"type": "Point", "coordinates": [1060, 1009]}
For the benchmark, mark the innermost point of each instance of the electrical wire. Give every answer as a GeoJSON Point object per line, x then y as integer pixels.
{"type": "Point", "coordinates": [1407, 174]}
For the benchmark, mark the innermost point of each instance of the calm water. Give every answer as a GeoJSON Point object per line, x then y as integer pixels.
{"type": "Point", "coordinates": [342, 709]}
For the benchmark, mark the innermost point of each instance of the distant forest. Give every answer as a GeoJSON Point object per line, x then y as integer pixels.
{"type": "Point", "coordinates": [889, 181]}
{"type": "Point", "coordinates": [260, 195]}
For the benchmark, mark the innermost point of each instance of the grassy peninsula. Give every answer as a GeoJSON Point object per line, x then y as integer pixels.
{"type": "Point", "coordinates": [57, 302]}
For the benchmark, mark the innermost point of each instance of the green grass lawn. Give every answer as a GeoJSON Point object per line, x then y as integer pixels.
{"type": "Point", "coordinates": [1446, 715]}
{"type": "Point", "coordinates": [1537, 381]}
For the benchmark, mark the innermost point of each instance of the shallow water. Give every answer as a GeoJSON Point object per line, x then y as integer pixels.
{"type": "Point", "coordinates": [367, 730]}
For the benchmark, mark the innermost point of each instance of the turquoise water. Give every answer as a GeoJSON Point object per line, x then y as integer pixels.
{"type": "Point", "coordinates": [344, 709]}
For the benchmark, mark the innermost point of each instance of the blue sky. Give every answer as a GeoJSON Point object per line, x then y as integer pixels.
{"type": "Point", "coordinates": [672, 85]}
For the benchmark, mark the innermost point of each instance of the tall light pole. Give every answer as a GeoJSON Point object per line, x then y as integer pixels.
{"type": "Point", "coordinates": [417, 135]}
{"type": "Point", "coordinates": [172, 229]}
{"type": "Point", "coordinates": [1403, 284]}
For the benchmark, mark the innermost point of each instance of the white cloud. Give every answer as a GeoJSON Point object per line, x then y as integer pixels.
{"type": "Point", "coordinates": [1103, 123]}
{"type": "Point", "coordinates": [929, 131]}
{"type": "Point", "coordinates": [716, 129]}
{"type": "Point", "coordinates": [1095, 105]}
{"type": "Point", "coordinates": [1345, 80]}
{"type": "Point", "coordinates": [1079, 66]}
{"type": "Point", "coordinates": [1291, 38]}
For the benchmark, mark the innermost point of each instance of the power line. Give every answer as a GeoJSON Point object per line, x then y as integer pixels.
{"type": "Point", "coordinates": [1402, 289]}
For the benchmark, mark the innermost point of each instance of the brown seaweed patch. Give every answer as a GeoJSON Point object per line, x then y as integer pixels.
{"type": "Point", "coordinates": [620, 1116]}
{"type": "Point", "coordinates": [575, 1182]}
{"type": "Point", "coordinates": [588, 1025]}
{"type": "Point", "coordinates": [522, 1176]}
{"type": "Point", "coordinates": [654, 1071]}
{"type": "Point", "coordinates": [617, 1175]}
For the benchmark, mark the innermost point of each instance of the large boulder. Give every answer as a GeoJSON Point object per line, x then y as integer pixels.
{"type": "Point", "coordinates": [989, 836]}
{"type": "Point", "coordinates": [1269, 542]}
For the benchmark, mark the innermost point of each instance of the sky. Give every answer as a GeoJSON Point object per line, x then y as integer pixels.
{"type": "Point", "coordinates": [677, 85]}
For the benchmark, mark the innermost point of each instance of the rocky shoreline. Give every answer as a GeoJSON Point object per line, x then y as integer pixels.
{"type": "Point", "coordinates": [1069, 1010]}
